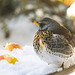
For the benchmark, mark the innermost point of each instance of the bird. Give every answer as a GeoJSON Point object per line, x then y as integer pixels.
{"type": "Point", "coordinates": [53, 42]}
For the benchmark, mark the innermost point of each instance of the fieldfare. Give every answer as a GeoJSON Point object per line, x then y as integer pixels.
{"type": "Point", "coordinates": [53, 42]}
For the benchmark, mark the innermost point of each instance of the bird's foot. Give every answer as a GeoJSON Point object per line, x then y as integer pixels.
{"type": "Point", "coordinates": [62, 65]}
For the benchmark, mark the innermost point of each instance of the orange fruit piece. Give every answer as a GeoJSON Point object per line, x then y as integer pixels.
{"type": "Point", "coordinates": [67, 2]}
{"type": "Point", "coordinates": [12, 46]}
{"type": "Point", "coordinates": [12, 60]}
{"type": "Point", "coordinates": [1, 57]}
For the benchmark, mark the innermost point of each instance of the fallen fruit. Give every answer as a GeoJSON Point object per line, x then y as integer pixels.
{"type": "Point", "coordinates": [12, 46]}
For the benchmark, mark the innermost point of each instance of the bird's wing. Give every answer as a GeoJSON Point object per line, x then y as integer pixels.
{"type": "Point", "coordinates": [72, 42]}
{"type": "Point", "coordinates": [58, 44]}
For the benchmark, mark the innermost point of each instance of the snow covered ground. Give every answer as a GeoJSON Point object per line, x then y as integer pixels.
{"type": "Point", "coordinates": [22, 32]}
{"type": "Point", "coordinates": [29, 63]}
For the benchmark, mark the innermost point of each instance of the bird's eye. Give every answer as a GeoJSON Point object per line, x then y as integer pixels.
{"type": "Point", "coordinates": [42, 24]}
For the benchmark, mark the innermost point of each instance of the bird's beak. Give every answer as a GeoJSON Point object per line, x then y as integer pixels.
{"type": "Point", "coordinates": [35, 22]}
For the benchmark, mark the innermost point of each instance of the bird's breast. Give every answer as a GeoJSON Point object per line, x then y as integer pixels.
{"type": "Point", "coordinates": [41, 44]}
{"type": "Point", "coordinates": [41, 38]}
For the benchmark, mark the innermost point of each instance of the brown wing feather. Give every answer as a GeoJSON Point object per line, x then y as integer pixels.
{"type": "Point", "coordinates": [60, 45]}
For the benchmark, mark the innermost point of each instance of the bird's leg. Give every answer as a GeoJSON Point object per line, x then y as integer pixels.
{"type": "Point", "coordinates": [62, 65]}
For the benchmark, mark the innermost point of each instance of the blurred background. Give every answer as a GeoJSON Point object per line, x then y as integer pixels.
{"type": "Point", "coordinates": [16, 18]}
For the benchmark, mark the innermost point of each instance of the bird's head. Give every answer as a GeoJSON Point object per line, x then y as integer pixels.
{"type": "Point", "coordinates": [53, 26]}
{"type": "Point", "coordinates": [46, 23]}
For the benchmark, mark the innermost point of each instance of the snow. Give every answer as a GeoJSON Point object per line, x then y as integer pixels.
{"type": "Point", "coordinates": [73, 73]}
{"type": "Point", "coordinates": [29, 63]}
{"type": "Point", "coordinates": [71, 11]}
